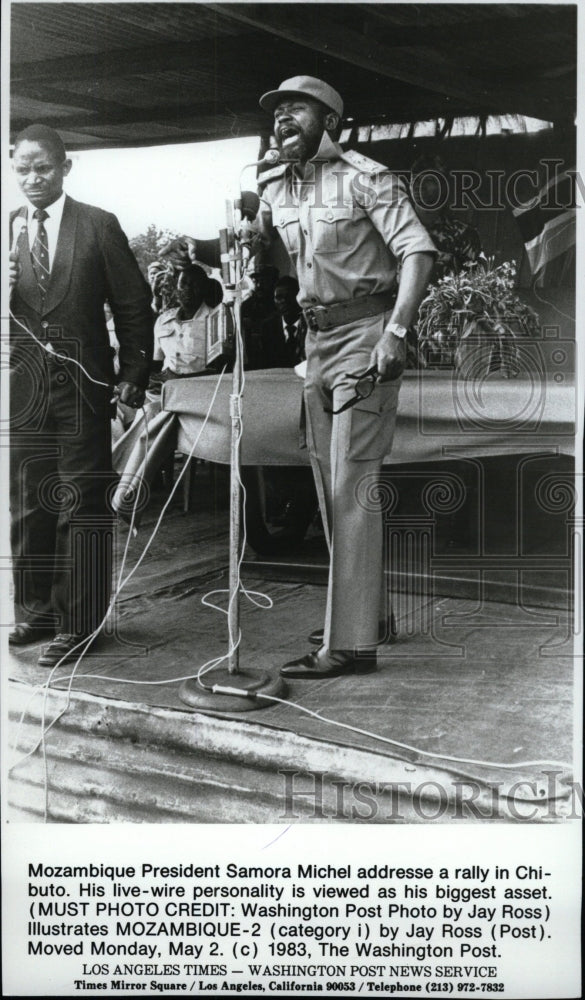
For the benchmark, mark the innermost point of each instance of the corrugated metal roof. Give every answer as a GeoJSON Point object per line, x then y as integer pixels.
{"type": "Point", "coordinates": [49, 30]}
{"type": "Point", "coordinates": [135, 73]}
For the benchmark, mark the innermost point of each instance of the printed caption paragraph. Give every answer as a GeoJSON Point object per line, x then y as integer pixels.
{"type": "Point", "coordinates": [379, 926]}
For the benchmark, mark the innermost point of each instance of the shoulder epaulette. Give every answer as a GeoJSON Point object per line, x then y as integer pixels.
{"type": "Point", "coordinates": [362, 162]}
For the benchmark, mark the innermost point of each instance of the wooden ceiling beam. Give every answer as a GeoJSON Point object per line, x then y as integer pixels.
{"type": "Point", "coordinates": [427, 69]}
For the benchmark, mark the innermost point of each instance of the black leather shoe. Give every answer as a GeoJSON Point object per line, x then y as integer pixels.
{"type": "Point", "coordinates": [63, 649]}
{"type": "Point", "coordinates": [316, 667]}
{"type": "Point", "coordinates": [316, 637]}
{"type": "Point", "coordinates": [23, 634]}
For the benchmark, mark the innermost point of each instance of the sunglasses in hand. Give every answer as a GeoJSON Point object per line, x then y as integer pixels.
{"type": "Point", "coordinates": [365, 383]}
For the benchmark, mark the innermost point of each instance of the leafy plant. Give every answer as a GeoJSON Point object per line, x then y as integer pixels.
{"type": "Point", "coordinates": [475, 314]}
{"type": "Point", "coordinates": [147, 246]}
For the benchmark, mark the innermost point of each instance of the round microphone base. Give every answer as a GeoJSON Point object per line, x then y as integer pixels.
{"type": "Point", "coordinates": [220, 693]}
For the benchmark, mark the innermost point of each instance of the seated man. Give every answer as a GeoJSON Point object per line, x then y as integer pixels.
{"type": "Point", "coordinates": [282, 336]}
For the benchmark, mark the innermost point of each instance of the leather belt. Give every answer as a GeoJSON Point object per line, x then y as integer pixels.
{"type": "Point", "coordinates": [338, 313]}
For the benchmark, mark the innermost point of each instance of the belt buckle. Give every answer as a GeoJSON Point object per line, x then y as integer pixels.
{"type": "Point", "coordinates": [312, 319]}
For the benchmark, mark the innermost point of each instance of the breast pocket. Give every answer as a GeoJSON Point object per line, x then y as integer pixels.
{"type": "Point", "coordinates": [333, 228]}
{"type": "Point", "coordinates": [286, 223]}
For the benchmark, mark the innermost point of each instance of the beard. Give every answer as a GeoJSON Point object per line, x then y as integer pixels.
{"type": "Point", "coordinates": [302, 144]}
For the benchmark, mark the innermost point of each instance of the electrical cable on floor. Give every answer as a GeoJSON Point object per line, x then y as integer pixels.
{"type": "Point", "coordinates": [416, 750]}
{"type": "Point", "coordinates": [516, 765]}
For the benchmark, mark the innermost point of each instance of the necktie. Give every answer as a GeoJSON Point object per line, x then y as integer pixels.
{"type": "Point", "coordinates": [292, 347]}
{"type": "Point", "coordinates": [40, 251]}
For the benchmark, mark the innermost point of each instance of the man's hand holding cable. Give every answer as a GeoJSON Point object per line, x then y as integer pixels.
{"type": "Point", "coordinates": [129, 393]}
{"type": "Point", "coordinates": [14, 269]}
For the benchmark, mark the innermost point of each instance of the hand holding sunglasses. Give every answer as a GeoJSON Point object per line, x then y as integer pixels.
{"type": "Point", "coordinates": [365, 383]}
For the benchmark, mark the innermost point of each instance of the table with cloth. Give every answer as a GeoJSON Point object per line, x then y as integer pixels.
{"type": "Point", "coordinates": [440, 416]}
{"type": "Point", "coordinates": [499, 437]}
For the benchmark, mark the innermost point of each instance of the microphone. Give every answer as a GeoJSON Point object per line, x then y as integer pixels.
{"type": "Point", "coordinates": [245, 213]}
{"type": "Point", "coordinates": [18, 224]}
{"type": "Point", "coordinates": [245, 210]}
{"type": "Point", "coordinates": [247, 205]}
{"type": "Point", "coordinates": [271, 157]}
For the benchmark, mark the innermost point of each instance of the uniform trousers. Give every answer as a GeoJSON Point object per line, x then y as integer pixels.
{"type": "Point", "coordinates": [60, 489]}
{"type": "Point", "coordinates": [346, 451]}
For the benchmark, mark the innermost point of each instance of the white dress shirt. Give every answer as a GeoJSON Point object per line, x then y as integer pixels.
{"type": "Point", "coordinates": [52, 224]}
{"type": "Point", "coordinates": [295, 331]}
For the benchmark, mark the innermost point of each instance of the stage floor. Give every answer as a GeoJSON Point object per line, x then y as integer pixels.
{"type": "Point", "coordinates": [481, 681]}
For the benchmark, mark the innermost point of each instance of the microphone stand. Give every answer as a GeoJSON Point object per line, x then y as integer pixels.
{"type": "Point", "coordinates": [235, 479]}
{"type": "Point", "coordinates": [235, 689]}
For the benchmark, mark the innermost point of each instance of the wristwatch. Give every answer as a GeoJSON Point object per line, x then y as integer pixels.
{"type": "Point", "coordinates": [397, 329]}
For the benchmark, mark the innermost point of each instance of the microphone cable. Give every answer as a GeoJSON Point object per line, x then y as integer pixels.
{"type": "Point", "coordinates": [83, 645]}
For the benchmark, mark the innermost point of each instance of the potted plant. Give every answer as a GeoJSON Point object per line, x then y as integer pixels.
{"type": "Point", "coordinates": [472, 321]}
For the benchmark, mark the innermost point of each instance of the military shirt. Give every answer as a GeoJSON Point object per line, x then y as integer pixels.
{"type": "Point", "coordinates": [345, 223]}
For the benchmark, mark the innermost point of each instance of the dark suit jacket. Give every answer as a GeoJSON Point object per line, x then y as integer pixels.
{"type": "Point", "coordinates": [92, 263]}
{"type": "Point", "coordinates": [276, 352]}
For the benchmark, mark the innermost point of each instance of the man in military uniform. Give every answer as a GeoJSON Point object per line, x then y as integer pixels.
{"type": "Point", "coordinates": [345, 221]}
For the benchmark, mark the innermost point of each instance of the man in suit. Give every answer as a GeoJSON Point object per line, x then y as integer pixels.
{"type": "Point", "coordinates": [67, 260]}
{"type": "Point", "coordinates": [282, 336]}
